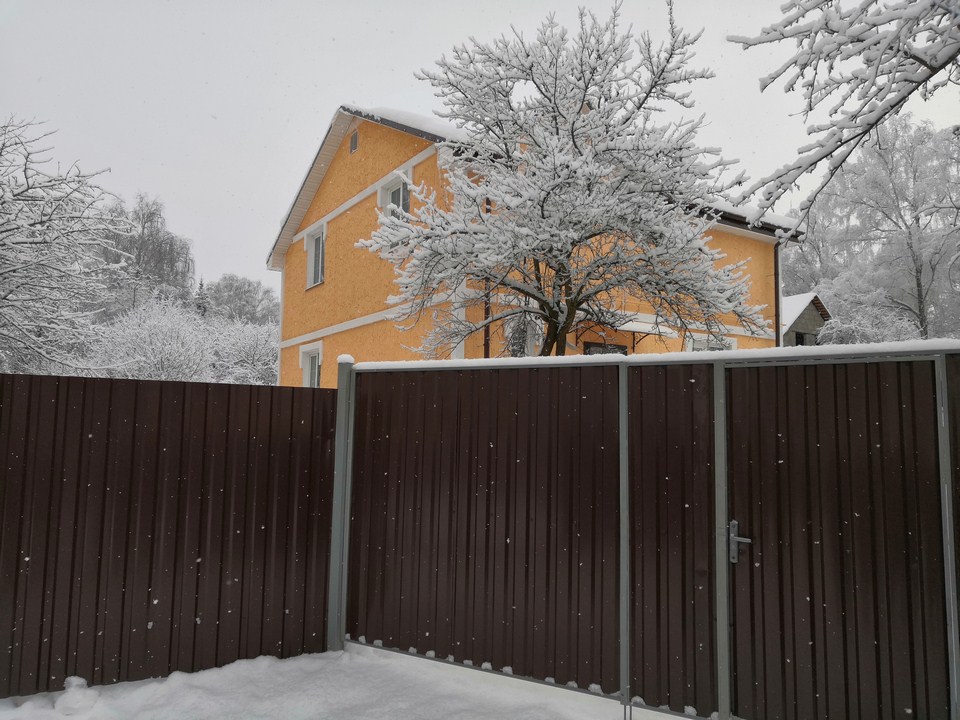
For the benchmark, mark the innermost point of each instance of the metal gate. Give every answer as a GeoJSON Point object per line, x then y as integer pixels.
{"type": "Point", "coordinates": [836, 547]}
{"type": "Point", "coordinates": [762, 535]}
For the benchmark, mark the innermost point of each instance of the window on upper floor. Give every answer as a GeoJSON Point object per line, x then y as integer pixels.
{"type": "Point", "coordinates": [354, 141]}
{"type": "Point", "coordinates": [398, 195]}
{"type": "Point", "coordinates": [316, 257]}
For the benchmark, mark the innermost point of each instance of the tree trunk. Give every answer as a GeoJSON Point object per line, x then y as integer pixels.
{"type": "Point", "coordinates": [549, 339]}
{"type": "Point", "coordinates": [922, 319]}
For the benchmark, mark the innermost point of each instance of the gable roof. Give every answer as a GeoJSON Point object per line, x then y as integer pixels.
{"type": "Point", "coordinates": [792, 306]}
{"type": "Point", "coordinates": [436, 130]}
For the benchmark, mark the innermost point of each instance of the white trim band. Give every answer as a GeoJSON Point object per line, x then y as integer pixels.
{"type": "Point", "coordinates": [390, 177]}
{"type": "Point", "coordinates": [341, 327]}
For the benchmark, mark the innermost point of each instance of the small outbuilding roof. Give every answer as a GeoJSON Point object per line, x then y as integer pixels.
{"type": "Point", "coordinates": [792, 306]}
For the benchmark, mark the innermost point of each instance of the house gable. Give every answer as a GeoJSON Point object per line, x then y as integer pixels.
{"type": "Point", "coordinates": [348, 311]}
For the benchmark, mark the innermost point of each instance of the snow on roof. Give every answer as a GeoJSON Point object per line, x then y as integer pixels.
{"type": "Point", "coordinates": [751, 215]}
{"type": "Point", "coordinates": [438, 127]}
{"type": "Point", "coordinates": [791, 306]}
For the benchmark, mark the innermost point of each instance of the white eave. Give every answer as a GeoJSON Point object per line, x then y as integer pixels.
{"type": "Point", "coordinates": [432, 129]}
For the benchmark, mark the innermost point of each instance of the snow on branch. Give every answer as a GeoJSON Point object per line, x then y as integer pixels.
{"type": "Point", "coordinates": [54, 227]}
{"type": "Point", "coordinates": [856, 64]}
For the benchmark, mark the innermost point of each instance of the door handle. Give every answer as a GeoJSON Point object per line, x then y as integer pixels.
{"type": "Point", "coordinates": [735, 540]}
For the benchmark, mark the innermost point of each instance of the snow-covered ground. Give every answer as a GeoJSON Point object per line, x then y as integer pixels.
{"type": "Point", "coordinates": [358, 684]}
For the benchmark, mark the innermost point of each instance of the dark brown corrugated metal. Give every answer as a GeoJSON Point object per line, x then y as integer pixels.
{"type": "Point", "coordinates": [953, 399]}
{"type": "Point", "coordinates": [673, 628]}
{"type": "Point", "coordinates": [485, 518]}
{"type": "Point", "coordinates": [150, 527]}
{"type": "Point", "coordinates": [838, 606]}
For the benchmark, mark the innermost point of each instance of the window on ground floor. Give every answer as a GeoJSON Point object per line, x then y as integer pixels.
{"type": "Point", "coordinates": [593, 348]}
{"type": "Point", "coordinates": [311, 359]}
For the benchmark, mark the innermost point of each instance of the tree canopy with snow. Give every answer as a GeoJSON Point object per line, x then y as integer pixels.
{"type": "Point", "coordinates": [567, 189]}
{"type": "Point", "coordinates": [163, 339]}
{"type": "Point", "coordinates": [856, 64]}
{"type": "Point", "coordinates": [151, 262]}
{"type": "Point", "coordinates": [241, 298]}
{"type": "Point", "coordinates": [881, 236]}
{"type": "Point", "coordinates": [54, 229]}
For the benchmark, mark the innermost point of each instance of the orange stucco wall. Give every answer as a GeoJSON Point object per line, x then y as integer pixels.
{"type": "Point", "coordinates": [357, 283]}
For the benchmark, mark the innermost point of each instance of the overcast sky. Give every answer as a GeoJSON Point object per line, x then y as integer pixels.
{"type": "Point", "coordinates": [218, 107]}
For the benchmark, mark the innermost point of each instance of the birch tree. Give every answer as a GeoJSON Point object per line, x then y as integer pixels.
{"type": "Point", "coordinates": [54, 230]}
{"type": "Point", "coordinates": [569, 188]}
{"type": "Point", "coordinates": [856, 64]}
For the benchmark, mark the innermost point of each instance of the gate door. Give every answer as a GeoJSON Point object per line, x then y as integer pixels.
{"type": "Point", "coordinates": [837, 592]}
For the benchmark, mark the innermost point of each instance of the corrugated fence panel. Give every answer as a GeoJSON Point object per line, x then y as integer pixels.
{"type": "Point", "coordinates": [953, 392]}
{"type": "Point", "coordinates": [149, 527]}
{"type": "Point", "coordinates": [673, 629]}
{"type": "Point", "coordinates": [485, 519]}
{"type": "Point", "coordinates": [838, 605]}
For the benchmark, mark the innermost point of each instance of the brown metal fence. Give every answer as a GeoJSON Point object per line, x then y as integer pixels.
{"type": "Point", "coordinates": [564, 521]}
{"type": "Point", "coordinates": [838, 604]}
{"type": "Point", "coordinates": [485, 519]}
{"type": "Point", "coordinates": [672, 631]}
{"type": "Point", "coordinates": [148, 527]}
{"type": "Point", "coordinates": [572, 522]}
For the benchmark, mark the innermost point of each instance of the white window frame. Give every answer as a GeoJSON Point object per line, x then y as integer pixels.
{"type": "Point", "coordinates": [312, 243]}
{"type": "Point", "coordinates": [691, 341]}
{"type": "Point", "coordinates": [388, 188]}
{"type": "Point", "coordinates": [307, 353]}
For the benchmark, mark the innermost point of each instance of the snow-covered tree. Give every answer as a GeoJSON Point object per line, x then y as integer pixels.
{"type": "Point", "coordinates": [152, 261]}
{"type": "Point", "coordinates": [54, 229]}
{"type": "Point", "coordinates": [862, 313]}
{"type": "Point", "coordinates": [881, 236]}
{"type": "Point", "coordinates": [201, 300]}
{"type": "Point", "coordinates": [162, 339]}
{"type": "Point", "coordinates": [158, 340]}
{"type": "Point", "coordinates": [856, 65]}
{"type": "Point", "coordinates": [240, 298]}
{"type": "Point", "coordinates": [569, 189]}
{"type": "Point", "coordinates": [246, 353]}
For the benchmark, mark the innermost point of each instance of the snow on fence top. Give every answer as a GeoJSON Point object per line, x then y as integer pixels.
{"type": "Point", "coordinates": [772, 356]}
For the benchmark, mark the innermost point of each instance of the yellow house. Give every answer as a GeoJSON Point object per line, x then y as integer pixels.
{"type": "Point", "coordinates": [334, 295]}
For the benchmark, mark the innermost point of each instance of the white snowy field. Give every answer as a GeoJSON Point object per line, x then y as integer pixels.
{"type": "Point", "coordinates": [358, 684]}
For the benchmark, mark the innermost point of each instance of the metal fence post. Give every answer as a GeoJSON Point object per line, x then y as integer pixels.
{"type": "Point", "coordinates": [721, 518]}
{"type": "Point", "coordinates": [947, 513]}
{"type": "Point", "coordinates": [340, 518]}
{"type": "Point", "coordinates": [623, 432]}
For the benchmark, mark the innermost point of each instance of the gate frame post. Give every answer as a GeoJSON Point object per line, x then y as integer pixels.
{"type": "Point", "coordinates": [340, 504]}
{"type": "Point", "coordinates": [721, 518]}
{"type": "Point", "coordinates": [949, 528]}
{"type": "Point", "coordinates": [623, 430]}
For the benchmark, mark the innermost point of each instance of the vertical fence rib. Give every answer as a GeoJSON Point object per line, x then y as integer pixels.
{"type": "Point", "coordinates": [720, 526]}
{"type": "Point", "coordinates": [625, 554]}
{"type": "Point", "coordinates": [340, 509]}
{"type": "Point", "coordinates": [949, 555]}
